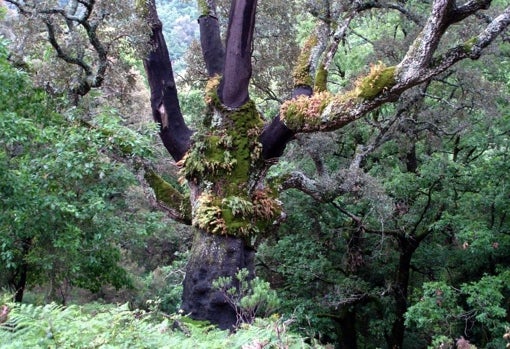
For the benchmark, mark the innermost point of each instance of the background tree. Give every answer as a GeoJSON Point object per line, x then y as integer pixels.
{"type": "Point", "coordinates": [62, 200]}
{"type": "Point", "coordinates": [73, 215]}
{"type": "Point", "coordinates": [372, 187]}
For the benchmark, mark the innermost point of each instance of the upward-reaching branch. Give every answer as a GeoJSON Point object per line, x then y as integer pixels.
{"type": "Point", "coordinates": [444, 13]}
{"type": "Point", "coordinates": [164, 100]}
{"type": "Point", "coordinates": [210, 38]}
{"type": "Point", "coordinates": [233, 90]}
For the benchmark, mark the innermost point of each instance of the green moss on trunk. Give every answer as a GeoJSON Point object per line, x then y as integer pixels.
{"type": "Point", "coordinates": [221, 161]}
{"type": "Point", "coordinates": [321, 79]}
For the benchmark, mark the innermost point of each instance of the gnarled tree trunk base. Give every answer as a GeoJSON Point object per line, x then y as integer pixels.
{"type": "Point", "coordinates": [213, 256]}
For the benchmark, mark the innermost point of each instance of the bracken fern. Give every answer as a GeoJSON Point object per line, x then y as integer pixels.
{"type": "Point", "coordinates": [108, 326]}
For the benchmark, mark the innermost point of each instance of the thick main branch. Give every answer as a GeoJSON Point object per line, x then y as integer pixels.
{"type": "Point", "coordinates": [166, 110]}
{"type": "Point", "coordinates": [326, 112]}
{"type": "Point", "coordinates": [210, 38]}
{"type": "Point", "coordinates": [233, 90]}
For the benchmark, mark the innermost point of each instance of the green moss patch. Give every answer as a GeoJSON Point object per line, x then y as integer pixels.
{"type": "Point", "coordinates": [301, 72]}
{"type": "Point", "coordinates": [225, 152]}
{"type": "Point", "coordinates": [321, 79]}
{"type": "Point", "coordinates": [243, 216]}
{"type": "Point", "coordinates": [304, 113]}
{"type": "Point", "coordinates": [167, 194]}
{"type": "Point", "coordinates": [378, 80]}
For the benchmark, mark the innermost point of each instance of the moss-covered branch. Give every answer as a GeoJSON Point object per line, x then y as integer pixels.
{"type": "Point", "coordinates": [173, 201]}
{"type": "Point", "coordinates": [323, 111]}
{"type": "Point", "coordinates": [302, 70]}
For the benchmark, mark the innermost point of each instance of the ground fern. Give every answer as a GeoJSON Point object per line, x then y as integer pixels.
{"type": "Point", "coordinates": [106, 326]}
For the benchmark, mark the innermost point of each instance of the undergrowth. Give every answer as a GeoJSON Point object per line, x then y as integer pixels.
{"type": "Point", "coordinates": [104, 326]}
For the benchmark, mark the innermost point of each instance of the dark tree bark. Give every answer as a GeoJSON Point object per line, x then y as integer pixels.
{"type": "Point", "coordinates": [210, 40]}
{"type": "Point", "coordinates": [166, 110]}
{"type": "Point", "coordinates": [276, 135]}
{"type": "Point", "coordinates": [407, 247]}
{"type": "Point", "coordinates": [213, 256]}
{"type": "Point", "coordinates": [408, 244]}
{"type": "Point", "coordinates": [21, 284]}
{"type": "Point", "coordinates": [233, 90]}
{"type": "Point", "coordinates": [19, 281]}
{"type": "Point", "coordinates": [346, 324]}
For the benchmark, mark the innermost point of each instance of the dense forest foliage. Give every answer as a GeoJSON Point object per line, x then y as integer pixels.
{"type": "Point", "coordinates": [393, 225]}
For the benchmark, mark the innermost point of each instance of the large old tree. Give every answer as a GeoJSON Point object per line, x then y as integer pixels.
{"type": "Point", "coordinates": [224, 160]}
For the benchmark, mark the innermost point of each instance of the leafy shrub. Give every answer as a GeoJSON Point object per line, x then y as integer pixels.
{"type": "Point", "coordinates": [250, 299]}
{"type": "Point", "coordinates": [162, 288]}
{"type": "Point", "coordinates": [445, 312]}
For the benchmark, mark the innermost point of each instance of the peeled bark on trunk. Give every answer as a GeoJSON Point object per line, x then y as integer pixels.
{"type": "Point", "coordinates": [214, 256]}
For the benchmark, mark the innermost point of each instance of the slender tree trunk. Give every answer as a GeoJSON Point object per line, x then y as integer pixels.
{"type": "Point", "coordinates": [165, 106]}
{"type": "Point", "coordinates": [214, 256]}
{"type": "Point", "coordinates": [21, 283]}
{"type": "Point", "coordinates": [407, 248]}
{"type": "Point", "coordinates": [22, 273]}
{"type": "Point", "coordinates": [346, 328]}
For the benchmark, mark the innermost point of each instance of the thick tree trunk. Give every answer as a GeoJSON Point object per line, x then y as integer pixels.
{"type": "Point", "coordinates": [220, 247]}
{"type": "Point", "coordinates": [213, 256]}
{"type": "Point", "coordinates": [220, 160]}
